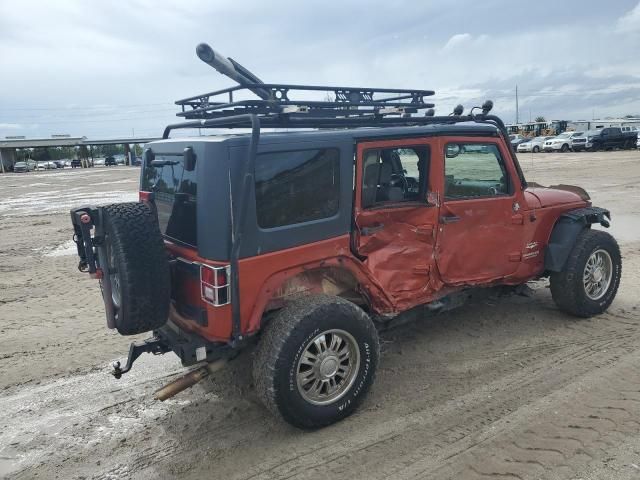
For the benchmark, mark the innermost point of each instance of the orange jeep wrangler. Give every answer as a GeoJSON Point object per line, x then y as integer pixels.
{"type": "Point", "coordinates": [306, 239]}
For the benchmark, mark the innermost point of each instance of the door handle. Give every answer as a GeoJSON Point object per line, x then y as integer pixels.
{"type": "Point", "coordinates": [449, 219]}
{"type": "Point", "coordinates": [371, 230]}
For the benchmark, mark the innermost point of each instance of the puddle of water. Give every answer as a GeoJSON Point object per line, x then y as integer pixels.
{"type": "Point", "coordinates": [67, 248]}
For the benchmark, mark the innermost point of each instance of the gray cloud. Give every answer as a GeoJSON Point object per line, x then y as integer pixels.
{"type": "Point", "coordinates": [104, 68]}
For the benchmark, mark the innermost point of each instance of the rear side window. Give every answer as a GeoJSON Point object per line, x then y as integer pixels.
{"type": "Point", "coordinates": [394, 175]}
{"type": "Point", "coordinates": [297, 186]}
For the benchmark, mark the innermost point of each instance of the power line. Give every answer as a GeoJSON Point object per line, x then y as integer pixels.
{"type": "Point", "coordinates": [86, 107]}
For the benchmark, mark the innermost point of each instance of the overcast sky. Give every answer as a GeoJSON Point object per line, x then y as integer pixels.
{"type": "Point", "coordinates": [104, 69]}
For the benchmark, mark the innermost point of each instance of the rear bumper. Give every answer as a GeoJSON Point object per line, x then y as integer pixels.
{"type": "Point", "coordinates": [191, 348]}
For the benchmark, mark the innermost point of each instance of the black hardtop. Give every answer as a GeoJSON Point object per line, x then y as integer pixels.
{"type": "Point", "coordinates": [349, 134]}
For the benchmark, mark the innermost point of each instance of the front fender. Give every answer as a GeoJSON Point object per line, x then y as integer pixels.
{"type": "Point", "coordinates": [566, 231]}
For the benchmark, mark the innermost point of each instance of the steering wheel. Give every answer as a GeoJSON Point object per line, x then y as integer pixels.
{"type": "Point", "coordinates": [399, 180]}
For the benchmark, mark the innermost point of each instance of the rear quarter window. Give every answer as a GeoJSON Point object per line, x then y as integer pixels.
{"type": "Point", "coordinates": [298, 186]}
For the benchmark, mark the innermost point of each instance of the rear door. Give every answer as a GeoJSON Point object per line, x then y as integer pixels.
{"type": "Point", "coordinates": [481, 230]}
{"type": "Point", "coordinates": [396, 216]}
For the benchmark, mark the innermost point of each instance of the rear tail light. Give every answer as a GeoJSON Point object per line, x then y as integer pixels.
{"type": "Point", "coordinates": [146, 196]}
{"type": "Point", "coordinates": [214, 285]}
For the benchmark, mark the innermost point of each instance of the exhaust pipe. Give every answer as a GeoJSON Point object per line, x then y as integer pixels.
{"type": "Point", "coordinates": [188, 380]}
{"type": "Point", "coordinates": [230, 68]}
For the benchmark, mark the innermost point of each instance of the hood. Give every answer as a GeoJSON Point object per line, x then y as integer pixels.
{"type": "Point", "coordinates": [539, 196]}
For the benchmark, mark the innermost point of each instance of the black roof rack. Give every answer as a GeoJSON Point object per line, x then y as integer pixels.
{"type": "Point", "coordinates": [280, 99]}
{"type": "Point", "coordinates": [285, 105]}
{"type": "Point", "coordinates": [281, 105]}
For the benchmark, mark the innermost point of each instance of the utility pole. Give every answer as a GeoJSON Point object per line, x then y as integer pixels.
{"type": "Point", "coordinates": [517, 112]}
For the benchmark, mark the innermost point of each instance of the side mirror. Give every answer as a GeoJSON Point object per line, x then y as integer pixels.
{"type": "Point", "coordinates": [453, 150]}
{"type": "Point", "coordinates": [189, 159]}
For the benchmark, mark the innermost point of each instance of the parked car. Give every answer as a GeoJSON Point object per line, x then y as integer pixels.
{"type": "Point", "coordinates": [76, 163]}
{"type": "Point", "coordinates": [136, 161]}
{"type": "Point", "coordinates": [25, 166]}
{"type": "Point", "coordinates": [580, 141]}
{"type": "Point", "coordinates": [110, 162]}
{"type": "Point", "coordinates": [533, 145]}
{"type": "Point", "coordinates": [613, 137]}
{"type": "Point", "coordinates": [516, 139]}
{"type": "Point", "coordinates": [99, 162]}
{"type": "Point", "coordinates": [560, 142]}
{"type": "Point", "coordinates": [309, 254]}
{"type": "Point", "coordinates": [59, 163]}
{"type": "Point", "coordinates": [48, 165]}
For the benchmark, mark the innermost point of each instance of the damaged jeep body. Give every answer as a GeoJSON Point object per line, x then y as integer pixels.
{"type": "Point", "coordinates": [303, 241]}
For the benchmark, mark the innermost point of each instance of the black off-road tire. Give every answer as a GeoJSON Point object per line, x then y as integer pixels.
{"type": "Point", "coordinates": [138, 259]}
{"type": "Point", "coordinates": [283, 343]}
{"type": "Point", "coordinates": [567, 287]}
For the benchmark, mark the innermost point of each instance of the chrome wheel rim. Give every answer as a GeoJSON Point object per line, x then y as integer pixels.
{"type": "Point", "coordinates": [328, 367]}
{"type": "Point", "coordinates": [597, 274]}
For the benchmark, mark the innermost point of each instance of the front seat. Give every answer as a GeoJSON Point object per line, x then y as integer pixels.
{"type": "Point", "coordinates": [370, 184]}
{"type": "Point", "coordinates": [387, 193]}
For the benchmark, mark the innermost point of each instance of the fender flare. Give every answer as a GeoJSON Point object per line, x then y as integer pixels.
{"type": "Point", "coordinates": [566, 231]}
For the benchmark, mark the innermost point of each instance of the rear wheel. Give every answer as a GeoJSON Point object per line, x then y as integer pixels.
{"type": "Point", "coordinates": [591, 276]}
{"type": "Point", "coordinates": [316, 360]}
{"type": "Point", "coordinates": [137, 267]}
{"type": "Point", "coordinates": [536, 149]}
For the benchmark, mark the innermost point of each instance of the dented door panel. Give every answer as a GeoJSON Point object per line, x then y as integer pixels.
{"type": "Point", "coordinates": [396, 241]}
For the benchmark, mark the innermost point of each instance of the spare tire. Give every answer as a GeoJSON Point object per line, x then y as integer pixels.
{"type": "Point", "coordinates": [137, 266]}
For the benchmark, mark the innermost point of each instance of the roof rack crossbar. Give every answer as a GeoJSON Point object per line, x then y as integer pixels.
{"type": "Point", "coordinates": [357, 101]}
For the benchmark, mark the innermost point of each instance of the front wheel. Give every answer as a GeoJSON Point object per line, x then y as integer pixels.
{"type": "Point", "coordinates": [589, 281]}
{"type": "Point", "coordinates": [565, 148]}
{"type": "Point", "coordinates": [316, 360]}
{"type": "Point", "coordinates": [536, 149]}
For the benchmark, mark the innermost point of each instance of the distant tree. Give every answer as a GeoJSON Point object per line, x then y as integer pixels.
{"type": "Point", "coordinates": [540, 119]}
{"type": "Point", "coordinates": [137, 150]}
{"type": "Point", "coordinates": [41, 154]}
{"type": "Point", "coordinates": [83, 152]}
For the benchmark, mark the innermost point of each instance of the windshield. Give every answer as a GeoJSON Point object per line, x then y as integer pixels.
{"type": "Point", "coordinates": [174, 190]}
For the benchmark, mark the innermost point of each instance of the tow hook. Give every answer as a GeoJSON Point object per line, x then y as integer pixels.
{"type": "Point", "coordinates": [150, 345]}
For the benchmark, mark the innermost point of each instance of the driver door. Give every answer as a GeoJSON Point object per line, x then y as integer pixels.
{"type": "Point", "coordinates": [396, 217]}
{"type": "Point", "coordinates": [481, 232]}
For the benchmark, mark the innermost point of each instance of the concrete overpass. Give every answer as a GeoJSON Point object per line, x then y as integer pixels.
{"type": "Point", "coordinates": [9, 145]}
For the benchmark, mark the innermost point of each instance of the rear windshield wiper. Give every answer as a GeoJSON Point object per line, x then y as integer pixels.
{"type": "Point", "coordinates": [162, 163]}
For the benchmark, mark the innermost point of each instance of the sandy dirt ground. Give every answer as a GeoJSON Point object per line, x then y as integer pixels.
{"type": "Point", "coordinates": [503, 388]}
